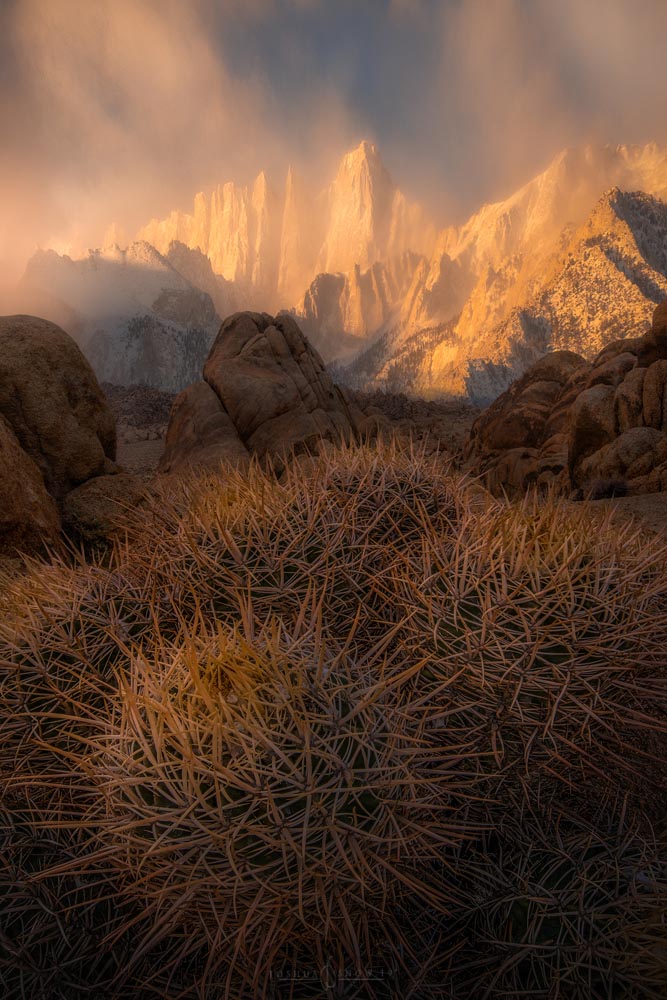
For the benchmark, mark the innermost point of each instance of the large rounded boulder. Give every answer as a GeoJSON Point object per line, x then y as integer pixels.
{"type": "Point", "coordinates": [265, 392]}
{"type": "Point", "coordinates": [53, 402]}
{"type": "Point", "coordinates": [28, 514]}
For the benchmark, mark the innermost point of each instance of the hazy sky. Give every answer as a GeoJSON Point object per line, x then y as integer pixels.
{"type": "Point", "coordinates": [118, 110]}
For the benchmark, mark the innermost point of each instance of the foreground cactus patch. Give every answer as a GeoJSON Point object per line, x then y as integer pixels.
{"type": "Point", "coordinates": [361, 731]}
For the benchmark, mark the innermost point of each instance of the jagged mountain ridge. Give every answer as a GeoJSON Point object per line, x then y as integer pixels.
{"type": "Point", "coordinates": [507, 244]}
{"type": "Point", "coordinates": [603, 285]}
{"type": "Point", "coordinates": [108, 282]}
{"type": "Point", "coordinates": [463, 318]}
{"type": "Point", "coordinates": [485, 273]}
{"type": "Point", "coordinates": [273, 245]}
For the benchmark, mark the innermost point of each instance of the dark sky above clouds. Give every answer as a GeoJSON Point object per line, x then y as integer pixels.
{"type": "Point", "coordinates": [119, 110]}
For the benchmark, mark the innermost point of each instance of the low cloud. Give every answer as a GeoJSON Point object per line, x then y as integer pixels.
{"type": "Point", "coordinates": [520, 79]}
{"type": "Point", "coordinates": [119, 110]}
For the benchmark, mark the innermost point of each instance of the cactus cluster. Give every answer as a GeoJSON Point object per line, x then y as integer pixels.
{"type": "Point", "coordinates": [564, 909]}
{"type": "Point", "coordinates": [322, 736]}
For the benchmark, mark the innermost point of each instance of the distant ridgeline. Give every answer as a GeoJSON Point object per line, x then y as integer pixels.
{"type": "Point", "coordinates": [573, 260]}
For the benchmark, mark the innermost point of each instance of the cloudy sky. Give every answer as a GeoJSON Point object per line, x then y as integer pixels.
{"type": "Point", "coordinates": [119, 110]}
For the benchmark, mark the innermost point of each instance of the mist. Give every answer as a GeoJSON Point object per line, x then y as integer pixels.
{"type": "Point", "coordinates": [119, 111]}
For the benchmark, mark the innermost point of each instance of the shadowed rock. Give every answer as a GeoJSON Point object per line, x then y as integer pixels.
{"type": "Point", "coordinates": [592, 424]}
{"type": "Point", "coordinates": [608, 423]}
{"type": "Point", "coordinates": [506, 440]}
{"type": "Point", "coordinates": [52, 400]}
{"type": "Point", "coordinates": [201, 433]}
{"type": "Point", "coordinates": [94, 512]}
{"type": "Point", "coordinates": [28, 515]}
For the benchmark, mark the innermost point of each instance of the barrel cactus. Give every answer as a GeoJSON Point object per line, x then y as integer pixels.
{"type": "Point", "coordinates": [281, 800]}
{"type": "Point", "coordinates": [286, 726]}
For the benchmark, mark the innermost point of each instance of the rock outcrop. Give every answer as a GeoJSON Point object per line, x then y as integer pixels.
{"type": "Point", "coordinates": [265, 393]}
{"type": "Point", "coordinates": [196, 268]}
{"type": "Point", "coordinates": [521, 437]}
{"type": "Point", "coordinates": [300, 239]}
{"type": "Point", "coordinates": [238, 228]}
{"type": "Point", "coordinates": [57, 436]}
{"type": "Point", "coordinates": [339, 309]}
{"type": "Point", "coordinates": [589, 429]}
{"type": "Point", "coordinates": [51, 398]}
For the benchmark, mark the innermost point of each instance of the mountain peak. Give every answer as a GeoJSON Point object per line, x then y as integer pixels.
{"type": "Point", "coordinates": [365, 153]}
{"type": "Point", "coordinates": [360, 201]}
{"type": "Point", "coordinates": [261, 182]}
{"type": "Point", "coordinates": [366, 149]}
{"type": "Point", "coordinates": [612, 194]}
{"type": "Point", "coordinates": [636, 209]}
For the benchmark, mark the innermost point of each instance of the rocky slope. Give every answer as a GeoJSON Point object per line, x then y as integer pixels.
{"type": "Point", "coordinates": [502, 248]}
{"type": "Point", "coordinates": [577, 291]}
{"type": "Point", "coordinates": [488, 276]}
{"type": "Point", "coordinates": [604, 285]}
{"type": "Point", "coordinates": [142, 415]}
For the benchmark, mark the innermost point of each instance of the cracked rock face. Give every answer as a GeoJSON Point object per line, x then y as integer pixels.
{"type": "Point", "coordinates": [265, 393]}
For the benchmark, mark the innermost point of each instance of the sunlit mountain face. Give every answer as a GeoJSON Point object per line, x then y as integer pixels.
{"type": "Point", "coordinates": [384, 295]}
{"type": "Point", "coordinates": [405, 177]}
{"type": "Point", "coordinates": [274, 242]}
